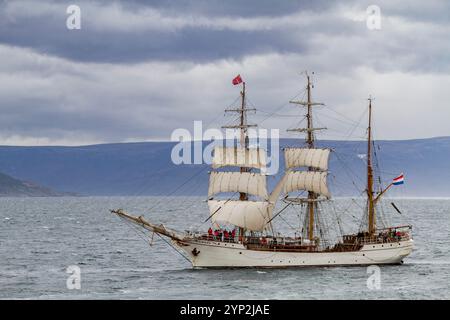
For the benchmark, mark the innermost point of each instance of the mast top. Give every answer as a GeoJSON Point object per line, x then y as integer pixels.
{"type": "Point", "coordinates": [308, 104]}
{"type": "Point", "coordinates": [242, 111]}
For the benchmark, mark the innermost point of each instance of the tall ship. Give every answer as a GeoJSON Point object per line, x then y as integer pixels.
{"type": "Point", "coordinates": [241, 230]}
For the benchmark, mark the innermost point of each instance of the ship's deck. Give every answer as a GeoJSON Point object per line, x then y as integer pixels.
{"type": "Point", "coordinates": [351, 242]}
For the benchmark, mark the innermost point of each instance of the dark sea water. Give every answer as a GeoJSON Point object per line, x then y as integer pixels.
{"type": "Point", "coordinates": [41, 237]}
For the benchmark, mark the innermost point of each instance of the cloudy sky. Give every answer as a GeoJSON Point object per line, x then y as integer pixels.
{"type": "Point", "coordinates": [138, 70]}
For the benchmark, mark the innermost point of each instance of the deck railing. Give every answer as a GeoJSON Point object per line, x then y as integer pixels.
{"type": "Point", "coordinates": [384, 235]}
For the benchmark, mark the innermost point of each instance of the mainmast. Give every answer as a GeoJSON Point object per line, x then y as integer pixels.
{"type": "Point", "coordinates": [312, 196]}
{"type": "Point", "coordinates": [370, 199]}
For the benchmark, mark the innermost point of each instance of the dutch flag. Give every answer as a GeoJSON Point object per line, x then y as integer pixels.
{"type": "Point", "coordinates": [398, 180]}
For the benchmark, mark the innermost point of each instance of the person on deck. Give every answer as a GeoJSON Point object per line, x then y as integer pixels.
{"type": "Point", "coordinates": [225, 234]}
{"type": "Point", "coordinates": [210, 233]}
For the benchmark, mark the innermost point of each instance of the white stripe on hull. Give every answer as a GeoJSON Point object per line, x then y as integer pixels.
{"type": "Point", "coordinates": [221, 254]}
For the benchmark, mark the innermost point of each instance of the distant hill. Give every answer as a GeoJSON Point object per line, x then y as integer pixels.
{"type": "Point", "coordinates": [146, 168]}
{"type": "Point", "coordinates": [10, 186]}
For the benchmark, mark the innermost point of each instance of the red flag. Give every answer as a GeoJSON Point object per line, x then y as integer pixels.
{"type": "Point", "coordinates": [237, 80]}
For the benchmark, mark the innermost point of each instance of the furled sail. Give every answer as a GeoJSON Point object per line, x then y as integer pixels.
{"type": "Point", "coordinates": [314, 181]}
{"type": "Point", "coordinates": [304, 157]}
{"type": "Point", "coordinates": [239, 157]}
{"type": "Point", "coordinates": [251, 215]}
{"type": "Point", "coordinates": [246, 182]}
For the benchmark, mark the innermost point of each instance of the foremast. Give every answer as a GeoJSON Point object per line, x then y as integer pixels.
{"type": "Point", "coordinates": [246, 213]}
{"type": "Point", "coordinates": [244, 141]}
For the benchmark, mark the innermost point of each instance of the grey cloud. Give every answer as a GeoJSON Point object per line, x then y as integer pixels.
{"type": "Point", "coordinates": [103, 39]}
{"type": "Point", "coordinates": [204, 31]}
{"type": "Point", "coordinates": [45, 31]}
{"type": "Point", "coordinates": [118, 80]}
{"type": "Point", "coordinates": [236, 8]}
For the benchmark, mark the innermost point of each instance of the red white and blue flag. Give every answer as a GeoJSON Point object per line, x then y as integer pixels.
{"type": "Point", "coordinates": [398, 180]}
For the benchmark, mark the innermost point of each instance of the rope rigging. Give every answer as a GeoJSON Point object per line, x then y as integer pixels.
{"type": "Point", "coordinates": [320, 223]}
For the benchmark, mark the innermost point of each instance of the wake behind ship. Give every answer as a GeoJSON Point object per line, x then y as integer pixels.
{"type": "Point", "coordinates": [242, 231]}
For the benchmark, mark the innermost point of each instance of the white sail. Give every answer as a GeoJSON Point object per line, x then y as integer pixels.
{"type": "Point", "coordinates": [251, 215]}
{"type": "Point", "coordinates": [246, 182]}
{"type": "Point", "coordinates": [239, 157]}
{"type": "Point", "coordinates": [313, 181]}
{"type": "Point", "coordinates": [303, 157]}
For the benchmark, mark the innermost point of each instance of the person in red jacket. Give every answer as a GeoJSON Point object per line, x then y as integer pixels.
{"type": "Point", "coordinates": [210, 233]}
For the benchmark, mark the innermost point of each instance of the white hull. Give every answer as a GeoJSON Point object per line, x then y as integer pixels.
{"type": "Point", "coordinates": [232, 255]}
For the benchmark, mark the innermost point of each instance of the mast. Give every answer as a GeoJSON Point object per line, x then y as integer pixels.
{"type": "Point", "coordinates": [311, 203]}
{"type": "Point", "coordinates": [244, 136]}
{"type": "Point", "coordinates": [310, 142]}
{"type": "Point", "coordinates": [243, 126]}
{"type": "Point", "coordinates": [244, 143]}
{"type": "Point", "coordinates": [309, 137]}
{"type": "Point", "coordinates": [370, 199]}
